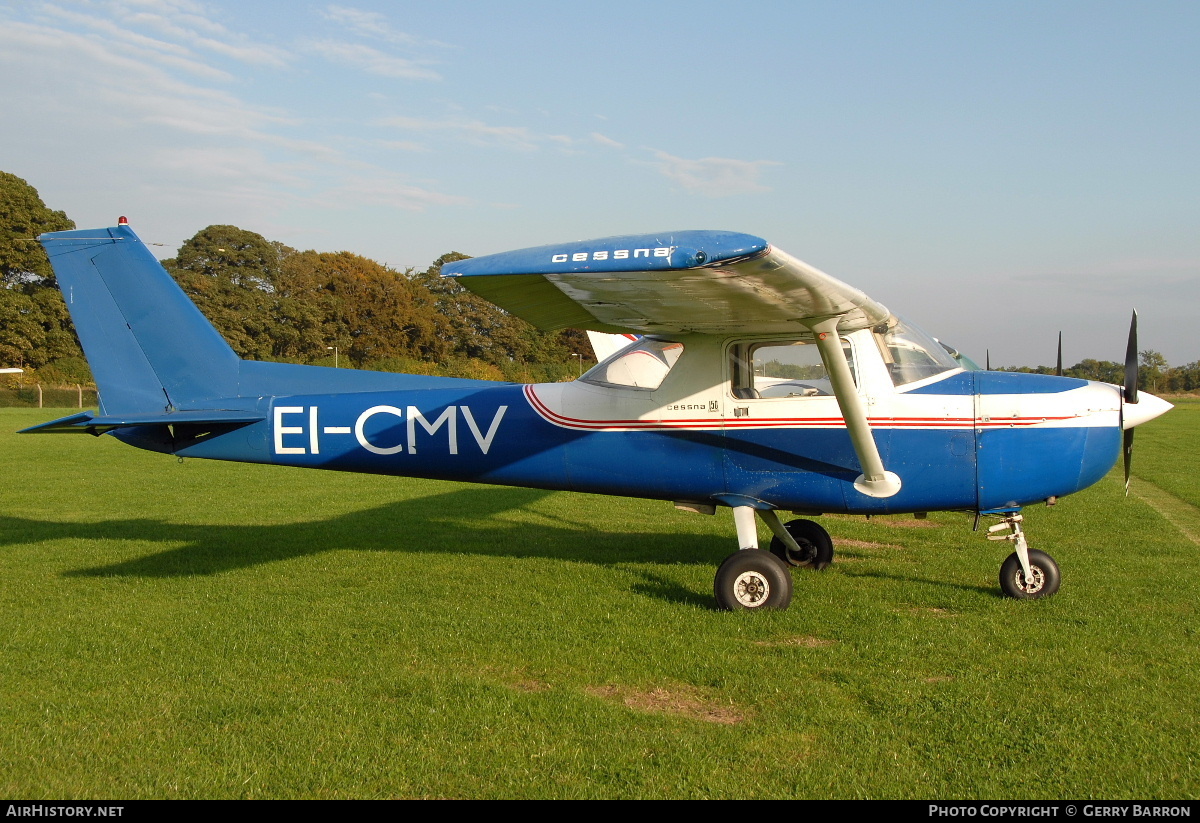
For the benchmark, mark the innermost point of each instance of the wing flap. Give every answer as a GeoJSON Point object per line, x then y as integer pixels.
{"type": "Point", "coordinates": [537, 300]}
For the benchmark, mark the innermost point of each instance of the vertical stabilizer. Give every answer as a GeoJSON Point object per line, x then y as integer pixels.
{"type": "Point", "coordinates": [148, 345]}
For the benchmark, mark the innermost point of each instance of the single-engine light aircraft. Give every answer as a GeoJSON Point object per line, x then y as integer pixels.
{"type": "Point", "coordinates": [749, 379]}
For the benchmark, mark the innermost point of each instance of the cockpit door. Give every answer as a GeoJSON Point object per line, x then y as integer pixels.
{"type": "Point", "coordinates": [785, 438]}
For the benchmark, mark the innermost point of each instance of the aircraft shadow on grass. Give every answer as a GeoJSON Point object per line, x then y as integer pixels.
{"type": "Point", "coordinates": [444, 527]}
{"type": "Point", "coordinates": [465, 521]}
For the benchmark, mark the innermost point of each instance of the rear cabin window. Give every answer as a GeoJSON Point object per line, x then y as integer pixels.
{"type": "Point", "coordinates": [643, 365]}
{"type": "Point", "coordinates": [776, 369]}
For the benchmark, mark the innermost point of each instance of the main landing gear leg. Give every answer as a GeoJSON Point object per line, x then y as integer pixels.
{"type": "Point", "coordinates": [750, 578]}
{"type": "Point", "coordinates": [1027, 574]}
{"type": "Point", "coordinates": [801, 544]}
{"type": "Point", "coordinates": [747, 529]}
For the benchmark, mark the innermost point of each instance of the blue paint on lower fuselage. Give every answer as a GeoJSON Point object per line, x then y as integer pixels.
{"type": "Point", "coordinates": [490, 434]}
{"type": "Point", "coordinates": [815, 469]}
{"type": "Point", "coordinates": [1022, 466]}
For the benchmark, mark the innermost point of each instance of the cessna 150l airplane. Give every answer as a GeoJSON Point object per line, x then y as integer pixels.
{"type": "Point", "coordinates": [757, 383]}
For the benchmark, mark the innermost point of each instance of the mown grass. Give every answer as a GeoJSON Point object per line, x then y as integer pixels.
{"type": "Point", "coordinates": [1169, 457]}
{"type": "Point", "coordinates": [222, 630]}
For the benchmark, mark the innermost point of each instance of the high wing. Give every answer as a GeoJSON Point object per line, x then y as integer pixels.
{"type": "Point", "coordinates": [704, 282]}
{"type": "Point", "coordinates": [707, 282]}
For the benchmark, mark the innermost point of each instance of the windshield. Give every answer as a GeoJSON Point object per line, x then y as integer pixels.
{"type": "Point", "coordinates": [644, 365]}
{"type": "Point", "coordinates": [910, 354]}
{"type": "Point", "coordinates": [960, 358]}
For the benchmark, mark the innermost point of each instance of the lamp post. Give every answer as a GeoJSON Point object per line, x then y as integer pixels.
{"type": "Point", "coordinates": [333, 349]}
{"type": "Point", "coordinates": [579, 364]}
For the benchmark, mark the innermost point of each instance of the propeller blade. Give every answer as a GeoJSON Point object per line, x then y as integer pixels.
{"type": "Point", "coordinates": [1128, 449]}
{"type": "Point", "coordinates": [987, 360]}
{"type": "Point", "coordinates": [1058, 368]}
{"type": "Point", "coordinates": [1131, 363]}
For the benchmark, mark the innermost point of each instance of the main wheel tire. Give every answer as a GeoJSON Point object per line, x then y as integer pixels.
{"type": "Point", "coordinates": [1043, 579]}
{"type": "Point", "coordinates": [815, 544]}
{"type": "Point", "coordinates": [753, 579]}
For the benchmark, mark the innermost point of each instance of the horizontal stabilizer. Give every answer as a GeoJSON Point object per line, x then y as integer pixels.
{"type": "Point", "coordinates": [89, 423]}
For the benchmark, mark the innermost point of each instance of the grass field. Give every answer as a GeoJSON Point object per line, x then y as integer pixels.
{"type": "Point", "coordinates": [222, 630]}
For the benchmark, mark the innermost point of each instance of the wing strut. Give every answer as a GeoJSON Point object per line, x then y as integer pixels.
{"type": "Point", "coordinates": [875, 481]}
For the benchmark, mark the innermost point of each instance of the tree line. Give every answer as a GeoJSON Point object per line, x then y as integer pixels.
{"type": "Point", "coordinates": [1154, 374]}
{"type": "Point", "coordinates": [273, 302]}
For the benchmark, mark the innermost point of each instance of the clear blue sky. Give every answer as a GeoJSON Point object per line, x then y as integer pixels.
{"type": "Point", "coordinates": [993, 171]}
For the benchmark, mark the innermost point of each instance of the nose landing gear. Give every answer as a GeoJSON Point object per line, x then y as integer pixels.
{"type": "Point", "coordinates": [1026, 574]}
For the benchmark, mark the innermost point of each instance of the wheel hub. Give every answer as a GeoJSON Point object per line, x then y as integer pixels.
{"type": "Point", "coordinates": [804, 557]}
{"type": "Point", "coordinates": [1033, 584]}
{"type": "Point", "coordinates": [751, 589]}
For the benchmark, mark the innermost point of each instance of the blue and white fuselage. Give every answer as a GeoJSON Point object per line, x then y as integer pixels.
{"type": "Point", "coordinates": [759, 383]}
{"type": "Point", "coordinates": [960, 440]}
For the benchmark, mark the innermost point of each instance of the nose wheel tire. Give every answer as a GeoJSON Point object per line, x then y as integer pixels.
{"type": "Point", "coordinates": [815, 543]}
{"type": "Point", "coordinates": [753, 579]}
{"type": "Point", "coordinates": [1043, 576]}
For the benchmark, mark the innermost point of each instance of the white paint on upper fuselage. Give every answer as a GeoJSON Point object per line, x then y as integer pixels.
{"type": "Point", "coordinates": [697, 394]}
{"type": "Point", "coordinates": [1090, 405]}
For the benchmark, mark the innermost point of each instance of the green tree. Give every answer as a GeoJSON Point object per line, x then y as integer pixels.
{"type": "Point", "coordinates": [369, 311]}
{"type": "Point", "coordinates": [476, 328]}
{"type": "Point", "coordinates": [23, 216]}
{"type": "Point", "coordinates": [1151, 368]}
{"type": "Point", "coordinates": [479, 330]}
{"type": "Point", "coordinates": [231, 274]}
{"type": "Point", "coordinates": [22, 335]}
{"type": "Point", "coordinates": [1185, 378]}
{"type": "Point", "coordinates": [35, 328]}
{"type": "Point", "coordinates": [1105, 371]}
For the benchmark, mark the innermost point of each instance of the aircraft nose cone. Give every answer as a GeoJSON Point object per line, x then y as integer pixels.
{"type": "Point", "coordinates": [1148, 407]}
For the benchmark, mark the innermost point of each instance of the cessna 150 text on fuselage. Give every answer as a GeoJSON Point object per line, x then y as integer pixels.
{"type": "Point", "coordinates": [757, 383]}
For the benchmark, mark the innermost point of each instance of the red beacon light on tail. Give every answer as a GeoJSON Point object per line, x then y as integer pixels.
{"type": "Point", "coordinates": [122, 220]}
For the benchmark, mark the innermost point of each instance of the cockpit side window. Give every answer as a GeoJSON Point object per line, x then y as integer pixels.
{"type": "Point", "coordinates": [643, 365]}
{"type": "Point", "coordinates": [783, 368]}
